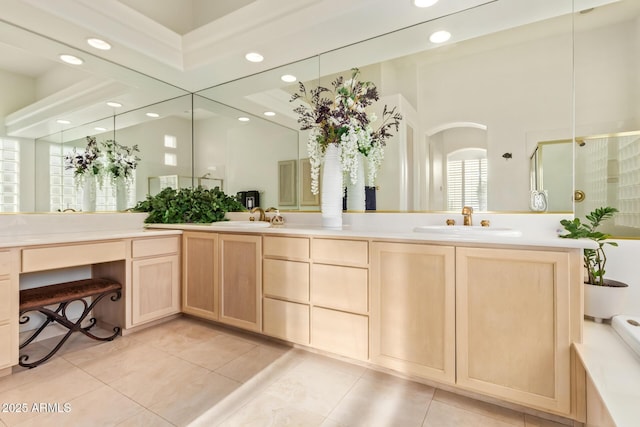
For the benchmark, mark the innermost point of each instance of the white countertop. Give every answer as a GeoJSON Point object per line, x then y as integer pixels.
{"type": "Point", "coordinates": [615, 371]}
{"type": "Point", "coordinates": [362, 232]}
{"type": "Point", "coordinates": [84, 236]}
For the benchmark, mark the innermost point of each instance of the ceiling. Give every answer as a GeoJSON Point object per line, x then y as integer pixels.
{"type": "Point", "coordinates": [190, 45]}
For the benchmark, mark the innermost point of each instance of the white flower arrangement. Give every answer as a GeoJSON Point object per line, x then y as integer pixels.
{"type": "Point", "coordinates": [339, 116]}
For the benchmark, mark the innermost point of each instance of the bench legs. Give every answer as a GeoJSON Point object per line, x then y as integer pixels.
{"type": "Point", "coordinates": [60, 315]}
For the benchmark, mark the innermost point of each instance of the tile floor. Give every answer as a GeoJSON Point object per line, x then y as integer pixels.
{"type": "Point", "coordinates": [186, 372]}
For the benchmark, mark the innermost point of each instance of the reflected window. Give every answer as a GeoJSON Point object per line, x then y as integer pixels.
{"type": "Point", "coordinates": [467, 179]}
{"type": "Point", "coordinates": [170, 159]}
{"type": "Point", "coordinates": [170, 141]}
{"type": "Point", "coordinates": [65, 194]}
{"type": "Point", "coordinates": [10, 185]}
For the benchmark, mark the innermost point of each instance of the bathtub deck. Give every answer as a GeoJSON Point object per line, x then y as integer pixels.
{"type": "Point", "coordinates": [614, 369]}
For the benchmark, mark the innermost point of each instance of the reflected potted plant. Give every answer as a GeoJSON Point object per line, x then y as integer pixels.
{"type": "Point", "coordinates": [603, 298]}
{"type": "Point", "coordinates": [88, 169]}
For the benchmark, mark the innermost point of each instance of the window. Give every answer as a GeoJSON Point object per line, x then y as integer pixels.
{"type": "Point", "coordinates": [170, 141]}
{"type": "Point", "coordinates": [170, 159]}
{"type": "Point", "coordinates": [467, 179]}
{"type": "Point", "coordinates": [10, 176]}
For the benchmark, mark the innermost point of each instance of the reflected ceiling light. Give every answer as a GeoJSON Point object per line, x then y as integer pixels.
{"type": "Point", "coordinates": [99, 129]}
{"type": "Point", "coordinates": [440, 36]}
{"type": "Point", "coordinates": [154, 115]}
{"type": "Point", "coordinates": [254, 57]}
{"type": "Point", "coordinates": [114, 104]}
{"type": "Point", "coordinates": [288, 78]}
{"type": "Point", "coordinates": [424, 3]}
{"type": "Point", "coordinates": [63, 122]}
{"type": "Point", "coordinates": [243, 119]}
{"type": "Point", "coordinates": [70, 59]}
{"type": "Point", "coordinates": [269, 113]}
{"type": "Point", "coordinates": [98, 44]}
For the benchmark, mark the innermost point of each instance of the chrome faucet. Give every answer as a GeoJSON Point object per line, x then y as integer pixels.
{"type": "Point", "coordinates": [466, 215]}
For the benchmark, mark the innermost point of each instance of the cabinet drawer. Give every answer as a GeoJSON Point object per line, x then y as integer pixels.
{"type": "Point", "coordinates": [52, 257]}
{"type": "Point", "coordinates": [5, 300]}
{"type": "Point", "coordinates": [157, 246]}
{"type": "Point", "coordinates": [286, 247]}
{"type": "Point", "coordinates": [286, 279]}
{"type": "Point", "coordinates": [6, 346]}
{"type": "Point", "coordinates": [5, 263]}
{"type": "Point", "coordinates": [344, 288]}
{"type": "Point", "coordinates": [333, 251]}
{"type": "Point", "coordinates": [286, 320]}
{"type": "Point", "coordinates": [341, 333]}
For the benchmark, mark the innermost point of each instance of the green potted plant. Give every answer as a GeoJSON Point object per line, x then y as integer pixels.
{"type": "Point", "coordinates": [603, 298]}
{"type": "Point", "coordinates": [188, 205]}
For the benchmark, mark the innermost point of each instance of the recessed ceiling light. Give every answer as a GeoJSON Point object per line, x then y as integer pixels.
{"type": "Point", "coordinates": [99, 129]}
{"type": "Point", "coordinates": [114, 104]}
{"type": "Point", "coordinates": [440, 36]}
{"type": "Point", "coordinates": [254, 57]}
{"type": "Point", "coordinates": [98, 44]}
{"type": "Point", "coordinates": [70, 59]}
{"type": "Point", "coordinates": [243, 119]}
{"type": "Point", "coordinates": [153, 115]}
{"type": "Point", "coordinates": [424, 3]}
{"type": "Point", "coordinates": [63, 122]}
{"type": "Point", "coordinates": [288, 78]}
{"type": "Point", "coordinates": [269, 113]}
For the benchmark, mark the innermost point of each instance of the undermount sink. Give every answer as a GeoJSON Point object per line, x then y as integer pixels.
{"type": "Point", "coordinates": [466, 230]}
{"type": "Point", "coordinates": [241, 224]}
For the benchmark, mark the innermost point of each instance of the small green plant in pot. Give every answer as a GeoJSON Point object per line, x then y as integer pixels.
{"type": "Point", "coordinates": [600, 301]}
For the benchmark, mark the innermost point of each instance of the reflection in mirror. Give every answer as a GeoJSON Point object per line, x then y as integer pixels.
{"type": "Point", "coordinates": [606, 174]}
{"type": "Point", "coordinates": [247, 153]}
{"type": "Point", "coordinates": [162, 134]}
{"type": "Point", "coordinates": [513, 81]}
{"type": "Point", "coordinates": [552, 175]}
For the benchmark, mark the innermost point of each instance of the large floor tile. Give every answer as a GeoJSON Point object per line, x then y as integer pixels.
{"type": "Point", "coordinates": [145, 418]}
{"type": "Point", "coordinates": [22, 376]}
{"type": "Point", "coordinates": [101, 407]}
{"type": "Point", "coordinates": [314, 385]}
{"type": "Point", "coordinates": [251, 363]}
{"type": "Point", "coordinates": [176, 335]}
{"type": "Point", "coordinates": [215, 352]}
{"type": "Point", "coordinates": [382, 400]}
{"type": "Point", "coordinates": [159, 381]}
{"type": "Point", "coordinates": [271, 411]}
{"type": "Point", "coordinates": [57, 389]}
{"type": "Point", "coordinates": [193, 398]}
{"type": "Point", "coordinates": [443, 415]}
{"type": "Point", "coordinates": [503, 414]}
{"type": "Point", "coordinates": [110, 363]}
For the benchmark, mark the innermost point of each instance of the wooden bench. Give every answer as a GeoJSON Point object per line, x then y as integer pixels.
{"type": "Point", "coordinates": [63, 294]}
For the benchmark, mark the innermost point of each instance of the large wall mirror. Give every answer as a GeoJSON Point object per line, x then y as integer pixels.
{"type": "Point", "coordinates": [606, 151]}
{"type": "Point", "coordinates": [486, 99]}
{"type": "Point", "coordinates": [469, 107]}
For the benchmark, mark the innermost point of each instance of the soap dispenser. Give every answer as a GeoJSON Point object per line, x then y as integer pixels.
{"type": "Point", "coordinates": [277, 218]}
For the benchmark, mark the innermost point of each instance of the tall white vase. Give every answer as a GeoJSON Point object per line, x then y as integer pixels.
{"type": "Point", "coordinates": [89, 193]}
{"type": "Point", "coordinates": [121, 194]}
{"type": "Point", "coordinates": [355, 192]}
{"type": "Point", "coordinates": [332, 189]}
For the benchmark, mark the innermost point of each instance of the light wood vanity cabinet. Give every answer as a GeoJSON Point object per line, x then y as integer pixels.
{"type": "Point", "coordinates": [240, 263]}
{"type": "Point", "coordinates": [200, 274]}
{"type": "Point", "coordinates": [413, 309]}
{"type": "Point", "coordinates": [513, 325]}
{"type": "Point", "coordinates": [339, 296]}
{"type": "Point", "coordinates": [9, 266]}
{"type": "Point", "coordinates": [286, 267]}
{"type": "Point", "coordinates": [155, 269]}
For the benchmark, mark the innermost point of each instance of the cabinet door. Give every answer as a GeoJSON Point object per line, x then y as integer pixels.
{"type": "Point", "coordinates": [155, 288]}
{"type": "Point", "coordinates": [200, 274]}
{"type": "Point", "coordinates": [241, 281]}
{"type": "Point", "coordinates": [413, 309]}
{"type": "Point", "coordinates": [512, 315]}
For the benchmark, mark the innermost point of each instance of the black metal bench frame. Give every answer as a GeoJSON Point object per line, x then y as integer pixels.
{"type": "Point", "coordinates": [64, 294]}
